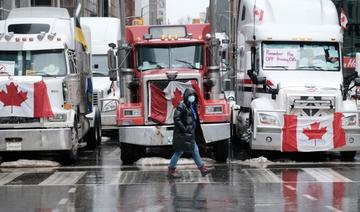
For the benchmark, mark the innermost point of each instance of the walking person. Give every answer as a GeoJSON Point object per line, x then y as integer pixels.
{"type": "Point", "coordinates": [188, 135]}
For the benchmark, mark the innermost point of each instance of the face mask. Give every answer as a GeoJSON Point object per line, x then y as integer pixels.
{"type": "Point", "coordinates": [191, 99]}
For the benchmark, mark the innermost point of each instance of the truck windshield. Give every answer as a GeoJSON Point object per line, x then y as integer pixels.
{"type": "Point", "coordinates": [33, 63]}
{"type": "Point", "coordinates": [308, 56]}
{"type": "Point", "coordinates": [100, 67]}
{"type": "Point", "coordinates": [155, 57]}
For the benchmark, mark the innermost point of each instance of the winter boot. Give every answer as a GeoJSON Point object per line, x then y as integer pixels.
{"type": "Point", "coordinates": [204, 170]}
{"type": "Point", "coordinates": [172, 173]}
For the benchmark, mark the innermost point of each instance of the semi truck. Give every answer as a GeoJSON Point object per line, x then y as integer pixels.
{"type": "Point", "coordinates": [156, 64]}
{"type": "Point", "coordinates": [290, 93]}
{"type": "Point", "coordinates": [104, 30]}
{"type": "Point", "coordinates": [46, 84]}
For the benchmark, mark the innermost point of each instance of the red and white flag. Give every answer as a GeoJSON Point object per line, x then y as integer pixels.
{"type": "Point", "coordinates": [164, 102]}
{"type": "Point", "coordinates": [343, 19]}
{"type": "Point", "coordinates": [258, 14]}
{"type": "Point", "coordinates": [24, 99]}
{"type": "Point", "coordinates": [309, 134]}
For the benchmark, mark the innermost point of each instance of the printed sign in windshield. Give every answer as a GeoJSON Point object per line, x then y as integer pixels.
{"type": "Point", "coordinates": [301, 56]}
{"type": "Point", "coordinates": [7, 67]}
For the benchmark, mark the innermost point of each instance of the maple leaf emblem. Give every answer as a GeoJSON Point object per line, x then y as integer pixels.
{"type": "Point", "coordinates": [12, 97]}
{"type": "Point", "coordinates": [314, 132]}
{"type": "Point", "coordinates": [177, 98]}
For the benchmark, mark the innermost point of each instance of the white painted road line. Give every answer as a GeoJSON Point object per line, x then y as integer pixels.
{"type": "Point", "coordinates": [309, 197]}
{"type": "Point", "coordinates": [8, 177]}
{"type": "Point", "coordinates": [326, 175]}
{"type": "Point", "coordinates": [63, 178]}
{"type": "Point", "coordinates": [262, 176]}
{"type": "Point", "coordinates": [333, 209]}
{"type": "Point", "coordinates": [115, 153]}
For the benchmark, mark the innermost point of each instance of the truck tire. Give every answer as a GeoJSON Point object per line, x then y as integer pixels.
{"type": "Point", "coordinates": [93, 137]}
{"type": "Point", "coordinates": [348, 155]}
{"type": "Point", "coordinates": [131, 153]}
{"type": "Point", "coordinates": [221, 151]}
{"type": "Point", "coordinates": [71, 156]}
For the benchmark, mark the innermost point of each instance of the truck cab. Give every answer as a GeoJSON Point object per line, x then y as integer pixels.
{"type": "Point", "coordinates": [290, 81]}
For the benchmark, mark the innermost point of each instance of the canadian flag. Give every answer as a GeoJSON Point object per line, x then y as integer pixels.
{"type": "Point", "coordinates": [24, 99]}
{"type": "Point", "coordinates": [258, 14]}
{"type": "Point", "coordinates": [164, 102]}
{"type": "Point", "coordinates": [308, 134]}
{"type": "Point", "coordinates": [343, 19]}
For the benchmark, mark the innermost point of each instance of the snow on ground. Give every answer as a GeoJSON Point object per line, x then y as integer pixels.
{"type": "Point", "coordinates": [157, 161]}
{"type": "Point", "coordinates": [261, 162]}
{"type": "Point", "coordinates": [29, 164]}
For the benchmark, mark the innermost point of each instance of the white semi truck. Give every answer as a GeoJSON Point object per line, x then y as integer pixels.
{"type": "Point", "coordinates": [104, 30]}
{"type": "Point", "coordinates": [289, 92]}
{"type": "Point", "coordinates": [45, 84]}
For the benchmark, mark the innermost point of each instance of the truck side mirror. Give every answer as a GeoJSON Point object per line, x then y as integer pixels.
{"type": "Point", "coordinates": [112, 65]}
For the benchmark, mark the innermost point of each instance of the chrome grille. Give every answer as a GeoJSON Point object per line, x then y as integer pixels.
{"type": "Point", "coordinates": [18, 120]}
{"type": "Point", "coordinates": [312, 105]}
{"type": "Point", "coordinates": [95, 98]}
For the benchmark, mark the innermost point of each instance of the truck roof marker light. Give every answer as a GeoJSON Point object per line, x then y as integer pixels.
{"type": "Point", "coordinates": [24, 39]}
{"type": "Point", "coordinates": [162, 37]}
{"type": "Point", "coordinates": [176, 37]}
{"type": "Point", "coordinates": [199, 37]}
{"type": "Point", "coordinates": [41, 36]}
{"type": "Point", "coordinates": [302, 39]}
{"type": "Point", "coordinates": [294, 39]}
{"type": "Point", "coordinates": [58, 39]}
{"type": "Point", "coordinates": [269, 38]}
{"type": "Point", "coordinates": [190, 35]}
{"type": "Point", "coordinates": [333, 39]}
{"type": "Point", "coordinates": [67, 106]}
{"type": "Point", "coordinates": [9, 36]}
{"type": "Point", "coordinates": [309, 39]}
{"type": "Point", "coordinates": [51, 36]}
{"type": "Point", "coordinates": [17, 39]}
{"type": "Point", "coordinates": [31, 39]}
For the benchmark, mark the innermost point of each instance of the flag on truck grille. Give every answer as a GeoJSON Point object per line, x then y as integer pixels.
{"type": "Point", "coordinates": [24, 99]}
{"type": "Point", "coordinates": [79, 35]}
{"type": "Point", "coordinates": [164, 102]}
{"type": "Point", "coordinates": [308, 134]}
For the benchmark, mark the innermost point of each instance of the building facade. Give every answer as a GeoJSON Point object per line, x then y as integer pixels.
{"type": "Point", "coordinates": [152, 12]}
{"type": "Point", "coordinates": [102, 8]}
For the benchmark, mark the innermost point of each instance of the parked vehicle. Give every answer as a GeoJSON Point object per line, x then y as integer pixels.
{"type": "Point", "coordinates": [290, 89]}
{"type": "Point", "coordinates": [45, 83]}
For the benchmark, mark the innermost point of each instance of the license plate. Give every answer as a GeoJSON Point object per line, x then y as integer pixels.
{"type": "Point", "coordinates": [13, 144]}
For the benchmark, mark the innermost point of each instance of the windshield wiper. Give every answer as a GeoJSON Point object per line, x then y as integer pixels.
{"type": "Point", "coordinates": [99, 74]}
{"type": "Point", "coordinates": [187, 63]}
{"type": "Point", "coordinates": [282, 67]}
{"type": "Point", "coordinates": [318, 68]}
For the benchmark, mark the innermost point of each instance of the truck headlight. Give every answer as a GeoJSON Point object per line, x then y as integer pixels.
{"type": "Point", "coordinates": [132, 112]}
{"type": "Point", "coordinates": [58, 117]}
{"type": "Point", "coordinates": [349, 121]}
{"type": "Point", "coordinates": [266, 119]}
{"type": "Point", "coordinates": [111, 106]}
{"type": "Point", "coordinates": [217, 109]}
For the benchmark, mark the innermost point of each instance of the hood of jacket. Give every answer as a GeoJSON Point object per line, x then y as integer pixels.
{"type": "Point", "coordinates": [188, 92]}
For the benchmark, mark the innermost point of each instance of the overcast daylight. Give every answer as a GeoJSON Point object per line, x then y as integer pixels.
{"type": "Point", "coordinates": [176, 10]}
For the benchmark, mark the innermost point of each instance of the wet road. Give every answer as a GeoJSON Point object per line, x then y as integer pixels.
{"type": "Point", "coordinates": [98, 182]}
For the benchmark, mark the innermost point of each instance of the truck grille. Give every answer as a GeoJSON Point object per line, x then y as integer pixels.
{"type": "Point", "coordinates": [95, 98]}
{"type": "Point", "coordinates": [18, 120]}
{"type": "Point", "coordinates": [312, 106]}
{"type": "Point", "coordinates": [162, 85]}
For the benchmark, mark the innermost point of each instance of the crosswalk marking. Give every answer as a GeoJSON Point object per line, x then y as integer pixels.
{"type": "Point", "coordinates": [63, 178]}
{"type": "Point", "coordinates": [262, 176]}
{"type": "Point", "coordinates": [8, 177]}
{"type": "Point", "coordinates": [326, 175]}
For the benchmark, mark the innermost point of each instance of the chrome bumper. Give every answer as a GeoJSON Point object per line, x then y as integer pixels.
{"type": "Point", "coordinates": [162, 135]}
{"type": "Point", "coordinates": [35, 139]}
{"type": "Point", "coordinates": [261, 141]}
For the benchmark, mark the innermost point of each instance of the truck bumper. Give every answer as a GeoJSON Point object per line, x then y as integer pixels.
{"type": "Point", "coordinates": [271, 139]}
{"type": "Point", "coordinates": [35, 139]}
{"type": "Point", "coordinates": [162, 135]}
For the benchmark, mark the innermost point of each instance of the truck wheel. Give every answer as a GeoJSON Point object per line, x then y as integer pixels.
{"type": "Point", "coordinates": [71, 156]}
{"type": "Point", "coordinates": [221, 151]}
{"type": "Point", "coordinates": [131, 153]}
{"type": "Point", "coordinates": [93, 137]}
{"type": "Point", "coordinates": [348, 155]}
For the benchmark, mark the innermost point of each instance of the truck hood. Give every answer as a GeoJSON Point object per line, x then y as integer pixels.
{"type": "Point", "coordinates": [286, 79]}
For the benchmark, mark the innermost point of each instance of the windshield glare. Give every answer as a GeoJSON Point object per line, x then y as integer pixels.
{"type": "Point", "coordinates": [301, 56]}
{"type": "Point", "coordinates": [154, 57]}
{"type": "Point", "coordinates": [99, 65]}
{"type": "Point", "coordinates": [33, 63]}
